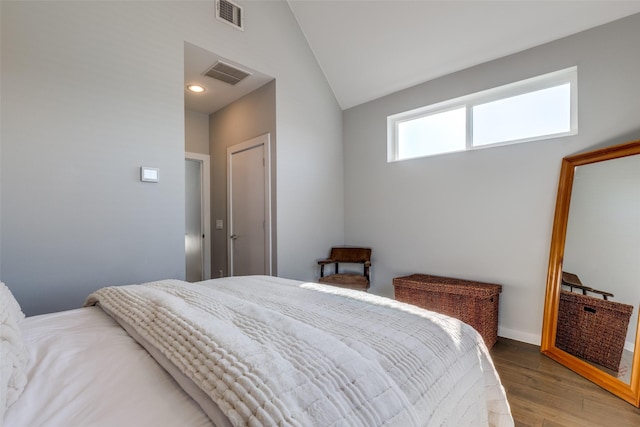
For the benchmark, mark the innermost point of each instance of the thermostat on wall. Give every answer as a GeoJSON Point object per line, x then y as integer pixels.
{"type": "Point", "coordinates": [149, 174]}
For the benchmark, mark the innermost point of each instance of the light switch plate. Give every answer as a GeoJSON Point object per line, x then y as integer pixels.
{"type": "Point", "coordinates": [219, 224]}
{"type": "Point", "coordinates": [149, 174]}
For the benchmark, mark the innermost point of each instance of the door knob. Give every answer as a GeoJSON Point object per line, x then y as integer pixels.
{"type": "Point", "coordinates": [234, 236]}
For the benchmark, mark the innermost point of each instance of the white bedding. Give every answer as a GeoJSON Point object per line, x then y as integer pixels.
{"type": "Point", "coordinates": [85, 370]}
{"type": "Point", "coordinates": [306, 354]}
{"type": "Point", "coordinates": [270, 351]}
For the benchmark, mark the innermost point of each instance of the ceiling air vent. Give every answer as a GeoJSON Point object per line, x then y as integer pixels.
{"type": "Point", "coordinates": [227, 73]}
{"type": "Point", "coordinates": [230, 13]}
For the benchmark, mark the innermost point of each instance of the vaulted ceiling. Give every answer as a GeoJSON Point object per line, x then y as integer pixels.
{"type": "Point", "coordinates": [368, 49]}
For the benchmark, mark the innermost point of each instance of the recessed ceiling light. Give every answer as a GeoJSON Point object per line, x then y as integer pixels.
{"type": "Point", "coordinates": [196, 88]}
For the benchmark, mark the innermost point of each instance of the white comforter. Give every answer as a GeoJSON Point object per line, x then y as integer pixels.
{"type": "Point", "coordinates": [85, 371]}
{"type": "Point", "coordinates": [271, 352]}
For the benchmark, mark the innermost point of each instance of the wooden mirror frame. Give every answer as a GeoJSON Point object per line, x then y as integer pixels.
{"type": "Point", "coordinates": [629, 392]}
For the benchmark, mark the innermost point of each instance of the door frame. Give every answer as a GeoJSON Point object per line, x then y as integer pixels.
{"type": "Point", "coordinates": [206, 210]}
{"type": "Point", "coordinates": [265, 140]}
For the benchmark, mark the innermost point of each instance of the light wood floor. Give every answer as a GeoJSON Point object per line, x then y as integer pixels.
{"type": "Point", "coordinates": [542, 392]}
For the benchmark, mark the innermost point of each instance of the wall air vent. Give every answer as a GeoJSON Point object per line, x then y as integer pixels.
{"type": "Point", "coordinates": [230, 13]}
{"type": "Point", "coordinates": [227, 73]}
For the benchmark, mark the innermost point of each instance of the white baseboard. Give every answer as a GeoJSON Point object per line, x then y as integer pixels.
{"type": "Point", "coordinates": [535, 339]}
{"type": "Point", "coordinates": [513, 334]}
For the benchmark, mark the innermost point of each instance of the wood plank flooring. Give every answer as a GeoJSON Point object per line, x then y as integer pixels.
{"type": "Point", "coordinates": [543, 393]}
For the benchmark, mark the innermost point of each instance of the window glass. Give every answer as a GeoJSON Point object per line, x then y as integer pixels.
{"type": "Point", "coordinates": [432, 134]}
{"type": "Point", "coordinates": [533, 114]}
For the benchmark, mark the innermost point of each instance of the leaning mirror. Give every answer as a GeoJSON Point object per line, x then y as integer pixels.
{"type": "Point", "coordinates": [591, 317]}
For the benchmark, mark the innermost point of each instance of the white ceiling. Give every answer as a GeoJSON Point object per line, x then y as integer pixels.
{"type": "Point", "coordinates": [198, 61]}
{"type": "Point", "coordinates": [368, 49]}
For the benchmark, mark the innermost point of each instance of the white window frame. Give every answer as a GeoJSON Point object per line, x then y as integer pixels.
{"type": "Point", "coordinates": [545, 81]}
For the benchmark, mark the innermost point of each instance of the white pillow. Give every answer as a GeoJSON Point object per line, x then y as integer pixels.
{"type": "Point", "coordinates": [8, 305]}
{"type": "Point", "coordinates": [13, 352]}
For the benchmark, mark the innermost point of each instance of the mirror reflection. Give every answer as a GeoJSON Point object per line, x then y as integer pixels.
{"type": "Point", "coordinates": [600, 291]}
{"type": "Point", "coordinates": [594, 255]}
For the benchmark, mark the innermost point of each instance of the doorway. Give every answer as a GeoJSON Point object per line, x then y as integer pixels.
{"type": "Point", "coordinates": [249, 207]}
{"type": "Point", "coordinates": [197, 218]}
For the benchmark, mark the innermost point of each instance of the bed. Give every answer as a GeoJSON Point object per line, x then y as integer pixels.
{"type": "Point", "coordinates": [254, 351]}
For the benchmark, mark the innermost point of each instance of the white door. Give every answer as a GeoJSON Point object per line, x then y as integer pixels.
{"type": "Point", "coordinates": [249, 204]}
{"type": "Point", "coordinates": [197, 239]}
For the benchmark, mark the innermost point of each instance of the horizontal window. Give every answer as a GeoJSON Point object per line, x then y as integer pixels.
{"type": "Point", "coordinates": [529, 110]}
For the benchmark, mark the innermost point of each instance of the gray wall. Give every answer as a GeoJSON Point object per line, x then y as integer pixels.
{"type": "Point", "coordinates": [487, 214]}
{"type": "Point", "coordinates": [196, 132]}
{"type": "Point", "coordinates": [94, 90]}
{"type": "Point", "coordinates": [0, 152]}
{"type": "Point", "coordinates": [250, 116]}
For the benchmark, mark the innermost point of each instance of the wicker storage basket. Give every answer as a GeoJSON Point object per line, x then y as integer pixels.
{"type": "Point", "coordinates": [474, 303]}
{"type": "Point", "coordinates": [592, 328]}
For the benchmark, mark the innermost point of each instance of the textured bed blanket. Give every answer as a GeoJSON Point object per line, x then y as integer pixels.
{"type": "Point", "coordinates": [276, 352]}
